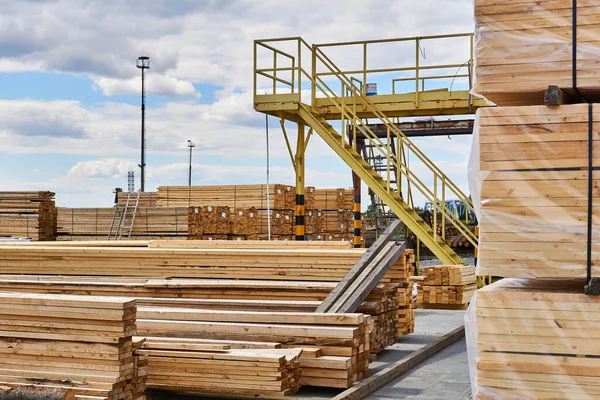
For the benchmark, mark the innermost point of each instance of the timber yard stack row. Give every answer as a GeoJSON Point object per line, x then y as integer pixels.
{"type": "Point", "coordinates": [225, 317]}
{"type": "Point", "coordinates": [534, 331]}
{"type": "Point", "coordinates": [235, 212]}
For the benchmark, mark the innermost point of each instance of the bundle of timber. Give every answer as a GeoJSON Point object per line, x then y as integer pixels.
{"type": "Point", "coordinates": [28, 215]}
{"type": "Point", "coordinates": [342, 340]}
{"type": "Point", "coordinates": [314, 222]}
{"type": "Point", "coordinates": [309, 197]}
{"type": "Point", "coordinates": [214, 220]}
{"type": "Point", "coordinates": [95, 223]}
{"type": "Point", "coordinates": [338, 222]}
{"type": "Point", "coordinates": [78, 343]}
{"type": "Point", "coordinates": [333, 199]}
{"type": "Point", "coordinates": [234, 196]}
{"type": "Point", "coordinates": [534, 195]}
{"type": "Point", "coordinates": [196, 365]}
{"type": "Point", "coordinates": [535, 339]}
{"type": "Point", "coordinates": [147, 199]}
{"type": "Point", "coordinates": [244, 221]}
{"type": "Point", "coordinates": [446, 285]}
{"type": "Point", "coordinates": [523, 47]}
{"type": "Point", "coordinates": [282, 222]}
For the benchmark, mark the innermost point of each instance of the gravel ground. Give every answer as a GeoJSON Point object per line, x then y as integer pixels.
{"type": "Point", "coordinates": [428, 261]}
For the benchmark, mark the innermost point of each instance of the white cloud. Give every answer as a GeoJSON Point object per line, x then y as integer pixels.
{"type": "Point", "coordinates": [156, 85]}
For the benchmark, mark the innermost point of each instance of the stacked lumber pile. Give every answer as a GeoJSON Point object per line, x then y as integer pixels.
{"type": "Point", "coordinates": [277, 310]}
{"type": "Point", "coordinates": [342, 339]}
{"type": "Point", "coordinates": [535, 339]}
{"type": "Point", "coordinates": [534, 191]}
{"type": "Point", "coordinates": [523, 47]}
{"type": "Point", "coordinates": [78, 343]}
{"type": "Point", "coordinates": [537, 193]}
{"type": "Point", "coordinates": [275, 264]}
{"type": "Point", "coordinates": [333, 199]}
{"type": "Point", "coordinates": [28, 215]}
{"type": "Point", "coordinates": [147, 199]}
{"type": "Point", "coordinates": [244, 222]}
{"type": "Point", "coordinates": [205, 366]}
{"type": "Point", "coordinates": [150, 223]}
{"type": "Point", "coordinates": [233, 196]}
{"type": "Point", "coordinates": [314, 222]}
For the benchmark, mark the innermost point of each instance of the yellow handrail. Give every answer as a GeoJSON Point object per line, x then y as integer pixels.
{"type": "Point", "coordinates": [348, 112]}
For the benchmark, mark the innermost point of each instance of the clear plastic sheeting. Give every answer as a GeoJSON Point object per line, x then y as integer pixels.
{"type": "Point", "coordinates": [523, 46]}
{"type": "Point", "coordinates": [534, 339]}
{"type": "Point", "coordinates": [528, 175]}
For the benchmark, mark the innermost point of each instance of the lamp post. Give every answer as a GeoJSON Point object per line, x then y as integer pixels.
{"type": "Point", "coordinates": [190, 145]}
{"type": "Point", "coordinates": [143, 63]}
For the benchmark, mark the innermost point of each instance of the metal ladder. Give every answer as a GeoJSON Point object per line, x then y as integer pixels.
{"type": "Point", "coordinates": [119, 219]}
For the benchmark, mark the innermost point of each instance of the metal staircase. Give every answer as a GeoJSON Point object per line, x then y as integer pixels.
{"type": "Point", "coordinates": [124, 218]}
{"type": "Point", "coordinates": [352, 110]}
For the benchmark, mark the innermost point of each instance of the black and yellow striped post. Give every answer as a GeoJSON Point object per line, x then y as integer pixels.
{"type": "Point", "coordinates": [300, 217]}
{"type": "Point", "coordinates": [357, 200]}
{"type": "Point", "coordinates": [299, 166]}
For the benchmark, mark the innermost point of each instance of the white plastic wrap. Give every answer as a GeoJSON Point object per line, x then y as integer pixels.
{"type": "Point", "coordinates": [534, 339]}
{"type": "Point", "coordinates": [532, 185]}
{"type": "Point", "coordinates": [522, 47]}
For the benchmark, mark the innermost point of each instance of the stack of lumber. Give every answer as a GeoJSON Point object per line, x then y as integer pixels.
{"type": "Point", "coordinates": [208, 366]}
{"type": "Point", "coordinates": [333, 199]}
{"type": "Point", "coordinates": [95, 223]}
{"type": "Point", "coordinates": [523, 47]}
{"type": "Point", "coordinates": [534, 191]}
{"type": "Point", "coordinates": [234, 196]}
{"type": "Point", "coordinates": [314, 222]}
{"type": "Point", "coordinates": [535, 339]}
{"type": "Point", "coordinates": [79, 343]}
{"type": "Point", "coordinates": [244, 222]}
{"type": "Point", "coordinates": [282, 223]}
{"type": "Point", "coordinates": [275, 264]}
{"type": "Point", "coordinates": [446, 285]}
{"type": "Point", "coordinates": [28, 215]}
{"type": "Point", "coordinates": [147, 199]}
{"type": "Point", "coordinates": [340, 341]}
{"type": "Point", "coordinates": [338, 222]}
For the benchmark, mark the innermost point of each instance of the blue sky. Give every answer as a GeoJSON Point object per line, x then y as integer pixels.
{"type": "Point", "coordinates": [70, 91]}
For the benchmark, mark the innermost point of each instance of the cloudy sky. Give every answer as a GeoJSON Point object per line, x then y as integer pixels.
{"type": "Point", "coordinates": [69, 88]}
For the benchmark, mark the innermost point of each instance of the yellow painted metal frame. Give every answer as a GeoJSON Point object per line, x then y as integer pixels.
{"type": "Point", "coordinates": [351, 106]}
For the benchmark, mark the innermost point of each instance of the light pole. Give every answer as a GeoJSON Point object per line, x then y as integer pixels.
{"type": "Point", "coordinates": [190, 145]}
{"type": "Point", "coordinates": [143, 63]}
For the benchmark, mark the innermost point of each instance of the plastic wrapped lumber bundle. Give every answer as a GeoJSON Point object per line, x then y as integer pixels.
{"type": "Point", "coordinates": [79, 343]}
{"type": "Point", "coordinates": [523, 47]}
{"type": "Point", "coordinates": [534, 339]}
{"type": "Point", "coordinates": [535, 176]}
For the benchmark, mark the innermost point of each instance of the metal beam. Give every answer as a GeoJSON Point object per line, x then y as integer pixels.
{"type": "Point", "coordinates": [427, 128]}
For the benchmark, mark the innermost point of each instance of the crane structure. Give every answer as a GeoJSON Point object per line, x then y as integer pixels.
{"type": "Point", "coordinates": [300, 83]}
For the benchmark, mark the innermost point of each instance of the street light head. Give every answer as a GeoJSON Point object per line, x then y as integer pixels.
{"type": "Point", "coordinates": [143, 62]}
{"type": "Point", "coordinates": [191, 144]}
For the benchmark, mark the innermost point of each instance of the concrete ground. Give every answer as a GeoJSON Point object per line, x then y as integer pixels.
{"type": "Point", "coordinates": [444, 376]}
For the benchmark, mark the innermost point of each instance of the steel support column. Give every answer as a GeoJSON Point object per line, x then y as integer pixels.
{"type": "Point", "coordinates": [299, 167]}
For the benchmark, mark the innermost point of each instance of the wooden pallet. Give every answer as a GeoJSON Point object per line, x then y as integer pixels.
{"type": "Point", "coordinates": [537, 339]}
{"type": "Point", "coordinates": [523, 47]}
